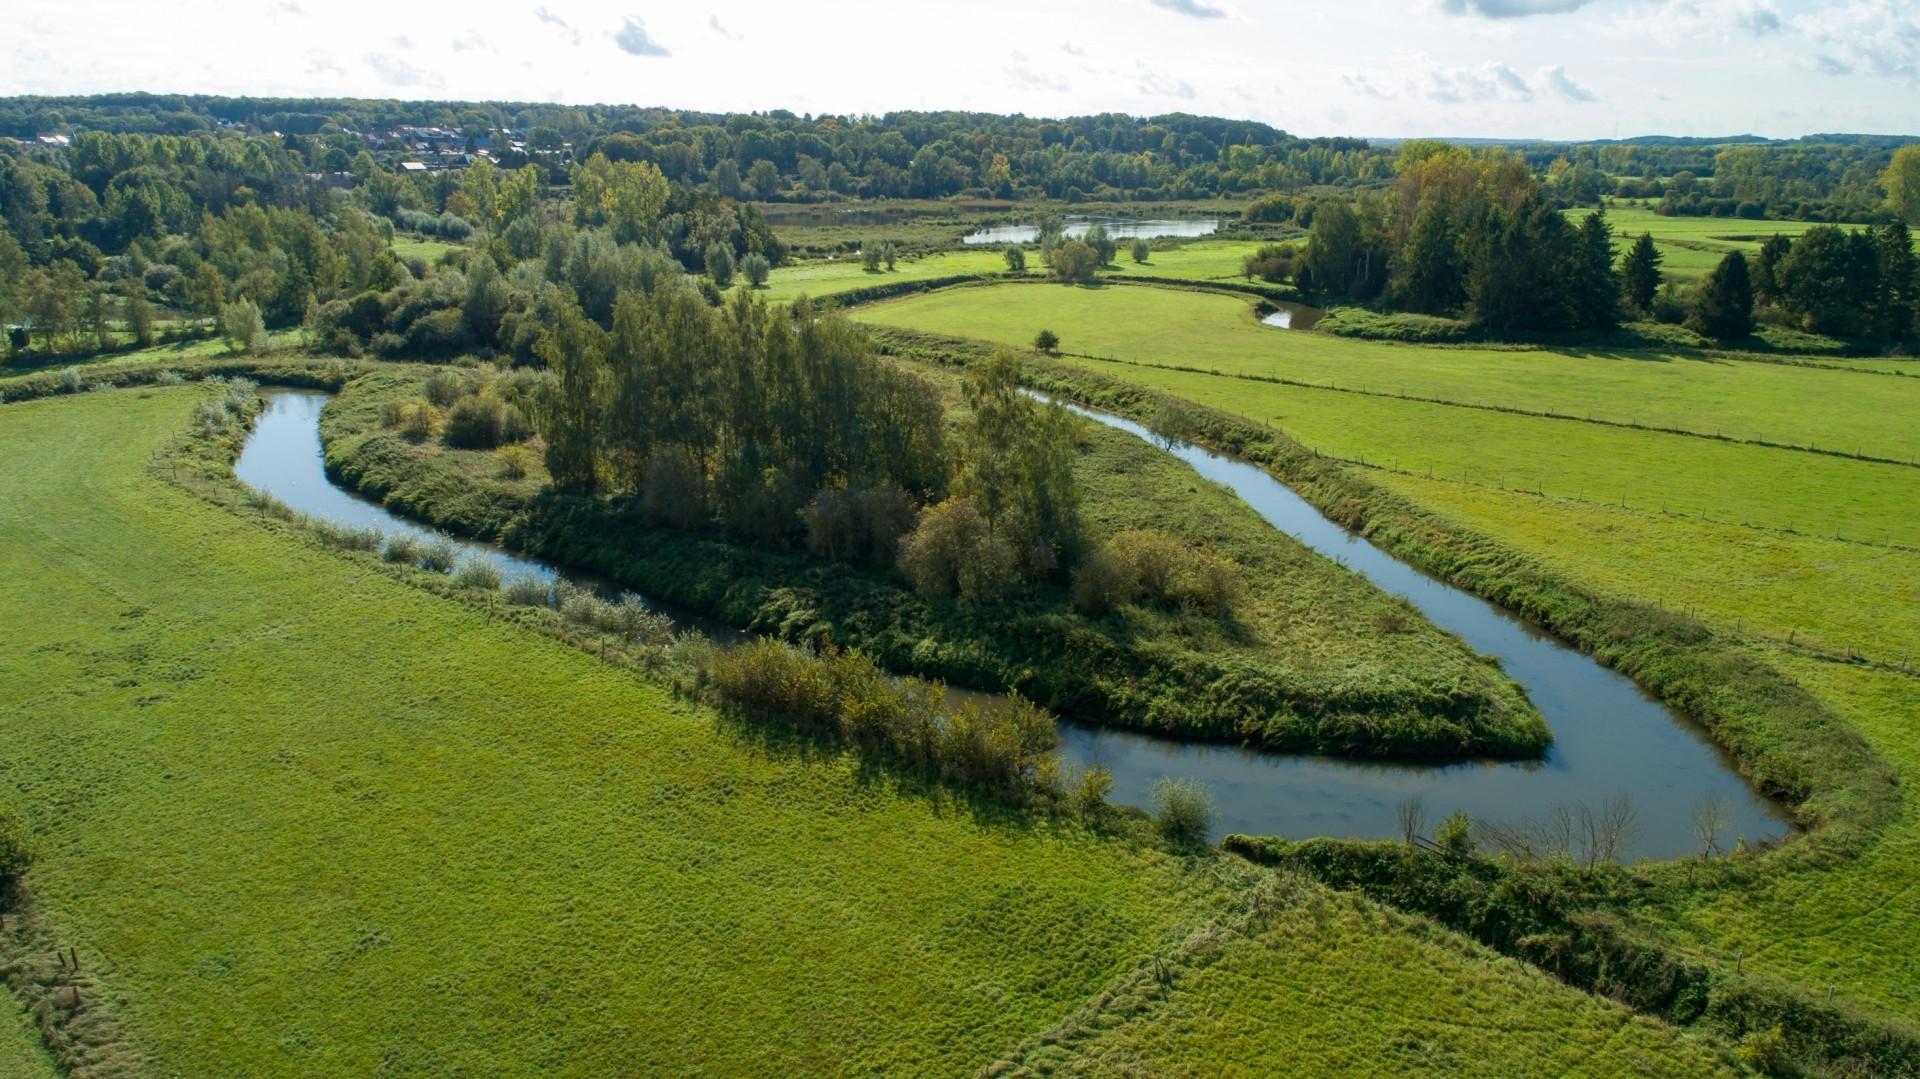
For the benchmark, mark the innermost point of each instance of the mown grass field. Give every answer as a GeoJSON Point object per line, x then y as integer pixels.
{"type": "Point", "coordinates": [1693, 246]}
{"type": "Point", "coordinates": [415, 840]}
{"type": "Point", "coordinates": [1699, 532]}
{"type": "Point", "coordinates": [157, 355]}
{"type": "Point", "coordinates": [830, 277]}
{"type": "Point", "coordinates": [421, 247]}
{"type": "Point", "coordinates": [1691, 391]}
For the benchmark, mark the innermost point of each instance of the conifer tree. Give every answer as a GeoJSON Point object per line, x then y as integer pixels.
{"type": "Point", "coordinates": [1640, 275]}
{"type": "Point", "coordinates": [1723, 306]}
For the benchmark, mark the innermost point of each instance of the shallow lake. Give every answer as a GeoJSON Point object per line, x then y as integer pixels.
{"type": "Point", "coordinates": [1611, 739]}
{"type": "Point", "coordinates": [1120, 228]}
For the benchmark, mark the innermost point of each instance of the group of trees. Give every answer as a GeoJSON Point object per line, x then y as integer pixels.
{"type": "Point", "coordinates": [735, 417]}
{"type": "Point", "coordinates": [1862, 284]}
{"type": "Point", "coordinates": [1462, 233]}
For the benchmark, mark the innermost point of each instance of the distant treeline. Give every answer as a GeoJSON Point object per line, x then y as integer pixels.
{"type": "Point", "coordinates": [778, 154]}
{"type": "Point", "coordinates": [1477, 236]}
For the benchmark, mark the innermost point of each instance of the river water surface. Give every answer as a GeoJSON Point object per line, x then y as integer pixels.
{"type": "Point", "coordinates": [1610, 738]}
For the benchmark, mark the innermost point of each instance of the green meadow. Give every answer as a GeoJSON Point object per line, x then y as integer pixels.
{"type": "Point", "coordinates": [845, 273]}
{"type": "Point", "coordinates": [1741, 536]}
{"type": "Point", "coordinates": [1705, 393]}
{"type": "Point", "coordinates": [484, 832]}
{"type": "Point", "coordinates": [1692, 246]}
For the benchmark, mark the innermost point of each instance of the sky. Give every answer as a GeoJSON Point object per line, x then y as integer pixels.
{"type": "Point", "coordinates": [1571, 69]}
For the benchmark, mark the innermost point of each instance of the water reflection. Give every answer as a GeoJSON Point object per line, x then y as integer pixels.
{"type": "Point", "coordinates": [1120, 228]}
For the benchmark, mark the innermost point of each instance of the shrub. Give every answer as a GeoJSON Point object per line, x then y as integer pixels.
{"type": "Point", "coordinates": [515, 461]}
{"type": "Point", "coordinates": [1147, 565]}
{"type": "Point", "coordinates": [1016, 257]}
{"type": "Point", "coordinates": [402, 547]}
{"type": "Point", "coordinates": [952, 551]}
{"type": "Point", "coordinates": [1183, 810]}
{"type": "Point", "coordinates": [1272, 262]}
{"type": "Point", "coordinates": [168, 377]}
{"type": "Point", "coordinates": [1075, 263]}
{"type": "Point", "coordinates": [1455, 834]}
{"type": "Point", "coordinates": [438, 556]}
{"type": "Point", "coordinates": [1140, 250]}
{"type": "Point", "coordinates": [15, 856]}
{"type": "Point", "coordinates": [1047, 341]}
{"type": "Point", "coordinates": [476, 422]}
{"type": "Point", "coordinates": [844, 697]}
{"type": "Point", "coordinates": [241, 324]}
{"type": "Point", "coordinates": [858, 524]}
{"type": "Point", "coordinates": [528, 591]}
{"type": "Point", "coordinates": [444, 387]}
{"type": "Point", "coordinates": [347, 537]}
{"type": "Point", "coordinates": [756, 269]}
{"type": "Point", "coordinates": [1103, 583]}
{"type": "Point", "coordinates": [419, 421]}
{"type": "Point", "coordinates": [477, 573]}
{"type": "Point", "coordinates": [1091, 789]}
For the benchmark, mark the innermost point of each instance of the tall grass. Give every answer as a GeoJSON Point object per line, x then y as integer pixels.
{"type": "Point", "coordinates": [1005, 748]}
{"type": "Point", "coordinates": [477, 573]}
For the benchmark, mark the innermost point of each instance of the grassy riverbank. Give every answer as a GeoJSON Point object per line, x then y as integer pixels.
{"type": "Point", "coordinates": [411, 836]}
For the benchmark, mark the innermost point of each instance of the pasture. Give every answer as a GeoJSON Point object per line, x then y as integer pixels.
{"type": "Point", "coordinates": [1806, 558]}
{"type": "Point", "coordinates": [1702, 393]}
{"type": "Point", "coordinates": [1692, 246]}
{"type": "Point", "coordinates": [483, 831]}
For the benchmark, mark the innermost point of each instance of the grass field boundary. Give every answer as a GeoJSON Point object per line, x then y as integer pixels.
{"type": "Point", "coordinates": [1511, 410]}
{"type": "Point", "coordinates": [1557, 918]}
{"type": "Point", "coordinates": [55, 985]}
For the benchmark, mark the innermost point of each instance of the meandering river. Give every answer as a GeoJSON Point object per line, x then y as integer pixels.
{"type": "Point", "coordinates": [1610, 738]}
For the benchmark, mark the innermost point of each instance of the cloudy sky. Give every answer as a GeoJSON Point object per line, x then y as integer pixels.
{"type": "Point", "coordinates": [1514, 68]}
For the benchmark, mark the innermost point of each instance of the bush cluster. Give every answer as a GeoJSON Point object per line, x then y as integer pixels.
{"type": "Point", "coordinates": [1149, 566]}
{"type": "Point", "coordinates": [843, 696]}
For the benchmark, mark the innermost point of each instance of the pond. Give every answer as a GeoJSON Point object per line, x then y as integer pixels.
{"type": "Point", "coordinates": [1289, 316]}
{"type": "Point", "coordinates": [1610, 738]}
{"type": "Point", "coordinates": [1120, 228]}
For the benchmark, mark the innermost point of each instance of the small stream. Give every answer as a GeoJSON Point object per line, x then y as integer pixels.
{"type": "Point", "coordinates": [1610, 738]}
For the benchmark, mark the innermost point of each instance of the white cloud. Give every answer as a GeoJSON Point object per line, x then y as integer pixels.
{"type": "Point", "coordinates": [633, 39]}
{"type": "Point", "coordinates": [713, 22]}
{"type": "Point", "coordinates": [1153, 83]}
{"type": "Point", "coordinates": [1196, 8]}
{"type": "Point", "coordinates": [472, 41]}
{"type": "Point", "coordinates": [559, 23]}
{"type": "Point", "coordinates": [1557, 80]}
{"type": "Point", "coordinates": [1023, 74]}
{"type": "Point", "coordinates": [1489, 81]}
{"type": "Point", "coordinates": [1511, 9]}
{"type": "Point", "coordinates": [394, 71]}
{"type": "Point", "coordinates": [1877, 37]}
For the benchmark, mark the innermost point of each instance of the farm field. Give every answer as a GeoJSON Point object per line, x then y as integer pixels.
{"type": "Point", "coordinates": [490, 831]}
{"type": "Point", "coordinates": [828, 277]}
{"type": "Point", "coordinates": [1692, 246]}
{"type": "Point", "coordinates": [1679, 541]}
{"type": "Point", "coordinates": [1699, 392]}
